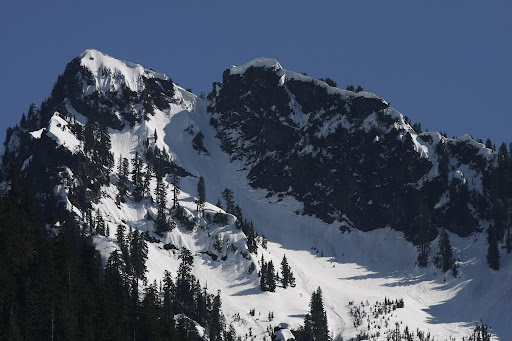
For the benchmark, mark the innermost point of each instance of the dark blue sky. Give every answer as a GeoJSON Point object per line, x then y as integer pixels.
{"type": "Point", "coordinates": [444, 64]}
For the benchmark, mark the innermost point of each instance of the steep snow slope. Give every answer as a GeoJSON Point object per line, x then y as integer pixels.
{"type": "Point", "coordinates": [352, 266]}
{"type": "Point", "coordinates": [59, 131]}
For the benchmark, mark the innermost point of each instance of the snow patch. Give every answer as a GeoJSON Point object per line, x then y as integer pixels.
{"type": "Point", "coordinates": [37, 134]}
{"type": "Point", "coordinates": [26, 163]}
{"type": "Point", "coordinates": [458, 175]}
{"type": "Point", "coordinates": [331, 125]}
{"type": "Point", "coordinates": [443, 200]}
{"type": "Point", "coordinates": [59, 131]}
{"type": "Point", "coordinates": [261, 62]}
{"type": "Point", "coordinates": [110, 73]}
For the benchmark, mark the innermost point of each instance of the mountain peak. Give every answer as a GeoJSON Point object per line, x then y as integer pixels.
{"type": "Point", "coordinates": [286, 75]}
{"type": "Point", "coordinates": [110, 73]}
{"type": "Point", "coordinates": [262, 62]}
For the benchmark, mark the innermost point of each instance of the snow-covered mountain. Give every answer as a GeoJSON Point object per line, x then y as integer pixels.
{"type": "Point", "coordinates": [335, 180]}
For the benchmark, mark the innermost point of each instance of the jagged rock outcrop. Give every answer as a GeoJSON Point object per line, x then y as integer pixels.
{"type": "Point", "coordinates": [345, 155]}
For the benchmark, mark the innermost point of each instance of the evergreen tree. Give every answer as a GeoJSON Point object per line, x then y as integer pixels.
{"type": "Point", "coordinates": [417, 127]}
{"type": "Point", "coordinates": [169, 291]}
{"type": "Point", "coordinates": [106, 158]}
{"type": "Point", "coordinates": [175, 182]}
{"type": "Point", "coordinates": [31, 115]}
{"type": "Point", "coordinates": [442, 152]}
{"type": "Point", "coordinates": [248, 229]}
{"type": "Point", "coordinates": [138, 255]}
{"type": "Point", "coordinates": [216, 323]}
{"type": "Point", "coordinates": [161, 222]}
{"type": "Point", "coordinates": [136, 168]}
{"type": "Point", "coordinates": [201, 194]}
{"type": "Point", "coordinates": [202, 304]}
{"type": "Point", "coordinates": [264, 241]}
{"type": "Point", "coordinates": [120, 165]}
{"type": "Point", "coordinates": [286, 273]}
{"type": "Point", "coordinates": [329, 81]}
{"type": "Point", "coordinates": [230, 335]}
{"type": "Point", "coordinates": [122, 184]}
{"type": "Point", "coordinates": [90, 136]}
{"type": "Point", "coordinates": [445, 258]}
{"type": "Point", "coordinates": [124, 245]}
{"type": "Point", "coordinates": [488, 144]}
{"type": "Point", "coordinates": [359, 88]}
{"type": "Point", "coordinates": [228, 197]}
{"type": "Point", "coordinates": [185, 279]}
{"type": "Point", "coordinates": [238, 214]}
{"type": "Point", "coordinates": [263, 275]}
{"type": "Point", "coordinates": [120, 235]}
{"type": "Point", "coordinates": [146, 191]}
{"type": "Point", "coordinates": [125, 168]}
{"type": "Point", "coordinates": [97, 147]}
{"type": "Point", "coordinates": [149, 311]}
{"type": "Point", "coordinates": [100, 224]}
{"type": "Point", "coordinates": [23, 122]}
{"type": "Point", "coordinates": [138, 192]}
{"type": "Point", "coordinates": [315, 323]}
{"type": "Point", "coordinates": [270, 277]}
{"type": "Point", "coordinates": [493, 253]}
{"type": "Point", "coordinates": [292, 280]}
{"type": "Point", "coordinates": [89, 220]}
{"type": "Point", "coordinates": [115, 273]}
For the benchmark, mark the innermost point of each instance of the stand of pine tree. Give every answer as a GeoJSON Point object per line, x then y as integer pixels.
{"type": "Point", "coordinates": [53, 285]}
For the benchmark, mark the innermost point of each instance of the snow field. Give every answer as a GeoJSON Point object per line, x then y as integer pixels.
{"type": "Point", "coordinates": [356, 266]}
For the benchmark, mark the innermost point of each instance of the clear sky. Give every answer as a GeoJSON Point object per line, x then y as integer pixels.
{"type": "Point", "coordinates": [445, 64]}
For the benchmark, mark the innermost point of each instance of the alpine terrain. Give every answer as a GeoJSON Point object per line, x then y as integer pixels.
{"type": "Point", "coordinates": [277, 207]}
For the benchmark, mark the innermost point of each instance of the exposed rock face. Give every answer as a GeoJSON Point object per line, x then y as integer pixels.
{"type": "Point", "coordinates": [345, 155]}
